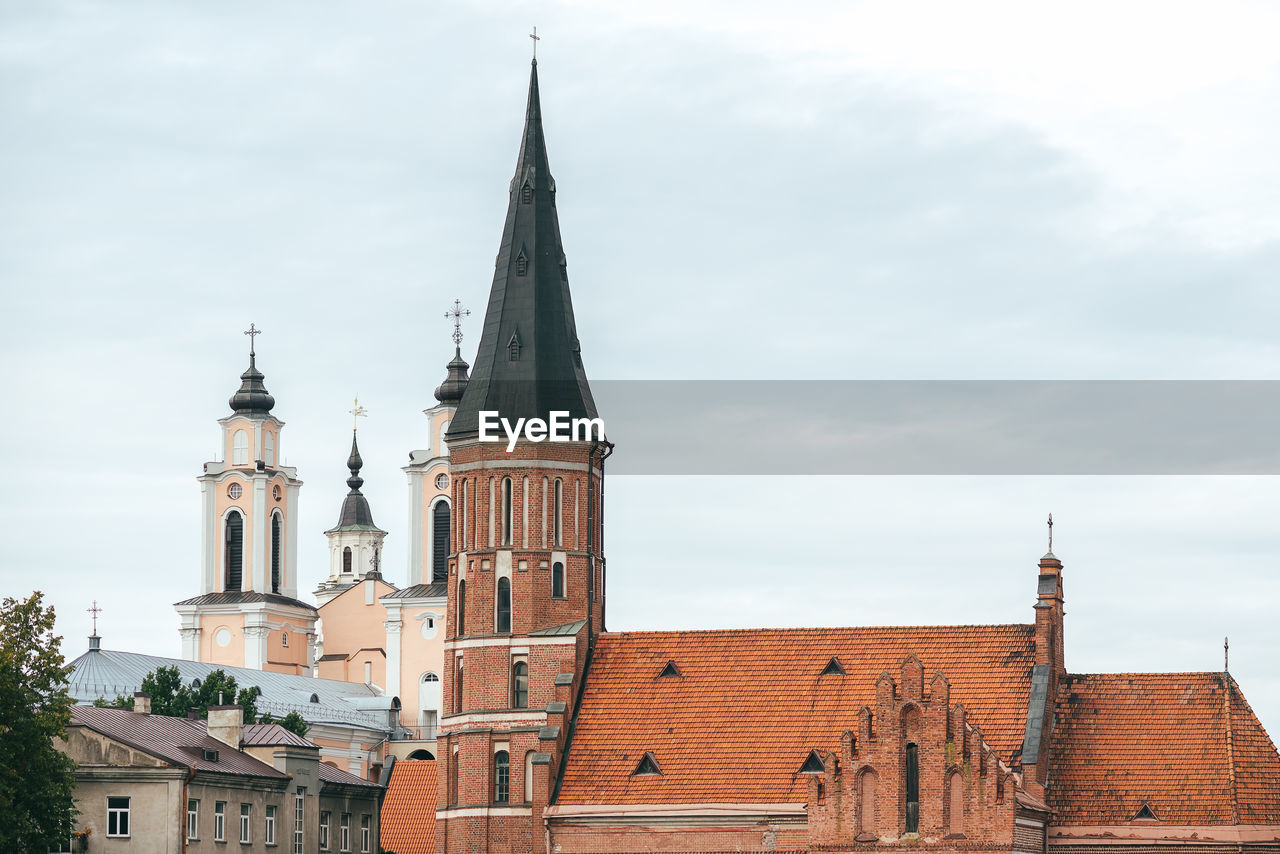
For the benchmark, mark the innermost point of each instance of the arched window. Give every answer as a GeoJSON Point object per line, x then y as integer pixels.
{"type": "Point", "coordinates": [501, 777]}
{"type": "Point", "coordinates": [346, 560]}
{"type": "Point", "coordinates": [520, 685]}
{"type": "Point", "coordinates": [504, 606]}
{"type": "Point", "coordinates": [559, 511]}
{"type": "Point", "coordinates": [867, 802]}
{"type": "Point", "coordinates": [507, 506]}
{"type": "Point", "coordinates": [955, 803]}
{"type": "Point", "coordinates": [462, 607]}
{"type": "Point", "coordinates": [557, 580]}
{"type": "Point", "coordinates": [911, 777]}
{"type": "Point", "coordinates": [440, 541]}
{"type": "Point", "coordinates": [275, 552]}
{"type": "Point", "coordinates": [528, 777]}
{"type": "Point", "coordinates": [269, 448]}
{"type": "Point", "coordinates": [233, 550]}
{"type": "Point", "coordinates": [240, 448]}
{"type": "Point", "coordinates": [444, 447]}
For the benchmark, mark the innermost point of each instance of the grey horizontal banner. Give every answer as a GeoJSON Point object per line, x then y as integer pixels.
{"type": "Point", "coordinates": [941, 427]}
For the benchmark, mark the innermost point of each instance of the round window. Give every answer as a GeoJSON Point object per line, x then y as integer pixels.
{"type": "Point", "coordinates": [234, 491]}
{"type": "Point", "coordinates": [275, 491]}
{"type": "Point", "coordinates": [442, 481]}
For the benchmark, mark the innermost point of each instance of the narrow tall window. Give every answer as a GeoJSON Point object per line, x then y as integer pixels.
{"type": "Point", "coordinates": [298, 823]}
{"type": "Point", "coordinates": [504, 606]}
{"type": "Point", "coordinates": [117, 816]}
{"type": "Point", "coordinates": [507, 508]}
{"type": "Point", "coordinates": [220, 821]}
{"type": "Point", "coordinates": [501, 777]}
{"type": "Point", "coordinates": [526, 194]}
{"type": "Point", "coordinates": [528, 777]}
{"type": "Point", "coordinates": [558, 518]}
{"type": "Point", "coordinates": [457, 686]}
{"type": "Point", "coordinates": [233, 550]}
{"type": "Point", "coordinates": [453, 779]}
{"type": "Point", "coordinates": [557, 580]}
{"type": "Point", "coordinates": [193, 818]}
{"type": "Point", "coordinates": [324, 830]}
{"type": "Point", "coordinates": [462, 607]}
{"type": "Point", "coordinates": [346, 560]}
{"type": "Point", "coordinates": [440, 541]}
{"type": "Point", "coordinates": [867, 802]}
{"type": "Point", "coordinates": [520, 686]}
{"type": "Point", "coordinates": [240, 448]}
{"type": "Point", "coordinates": [270, 826]}
{"type": "Point", "coordinates": [345, 836]}
{"type": "Point", "coordinates": [269, 448]}
{"type": "Point", "coordinates": [522, 264]}
{"type": "Point", "coordinates": [245, 816]}
{"type": "Point", "coordinates": [275, 552]}
{"type": "Point", "coordinates": [366, 829]}
{"type": "Point", "coordinates": [955, 803]}
{"type": "Point", "coordinates": [912, 777]}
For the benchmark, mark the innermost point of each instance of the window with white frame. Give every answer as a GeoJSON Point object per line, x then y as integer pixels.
{"type": "Point", "coordinates": [193, 818]}
{"type": "Point", "coordinates": [220, 821]}
{"type": "Point", "coordinates": [298, 813]}
{"type": "Point", "coordinates": [324, 830]}
{"type": "Point", "coordinates": [269, 828]}
{"type": "Point", "coordinates": [246, 814]}
{"type": "Point", "coordinates": [269, 448]}
{"type": "Point", "coordinates": [240, 448]}
{"type": "Point", "coordinates": [345, 838]}
{"type": "Point", "coordinates": [117, 816]}
{"type": "Point", "coordinates": [366, 831]}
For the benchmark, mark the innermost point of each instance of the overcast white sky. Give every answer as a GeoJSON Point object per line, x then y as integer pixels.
{"type": "Point", "coordinates": [842, 191]}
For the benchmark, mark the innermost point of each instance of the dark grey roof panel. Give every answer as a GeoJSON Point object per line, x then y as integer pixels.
{"type": "Point", "coordinates": [438, 590]}
{"type": "Point", "coordinates": [236, 597]}
{"type": "Point", "coordinates": [567, 629]}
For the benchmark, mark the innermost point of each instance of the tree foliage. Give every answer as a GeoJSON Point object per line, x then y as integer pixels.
{"type": "Point", "coordinates": [293, 722]}
{"type": "Point", "coordinates": [36, 778]}
{"type": "Point", "coordinates": [172, 698]}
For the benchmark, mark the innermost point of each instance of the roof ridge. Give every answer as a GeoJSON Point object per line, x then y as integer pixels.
{"type": "Point", "coordinates": [1232, 783]}
{"type": "Point", "coordinates": [756, 629]}
{"type": "Point", "coordinates": [1207, 673]}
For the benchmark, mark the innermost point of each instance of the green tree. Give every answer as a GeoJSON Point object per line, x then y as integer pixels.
{"type": "Point", "coordinates": [36, 778]}
{"type": "Point", "coordinates": [293, 722]}
{"type": "Point", "coordinates": [170, 697]}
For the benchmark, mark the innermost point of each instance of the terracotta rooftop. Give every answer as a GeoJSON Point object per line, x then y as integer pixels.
{"type": "Point", "coordinates": [755, 699]}
{"type": "Point", "coordinates": [1186, 745]}
{"type": "Point", "coordinates": [409, 808]}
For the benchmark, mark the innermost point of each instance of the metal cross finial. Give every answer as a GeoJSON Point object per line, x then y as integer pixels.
{"type": "Point", "coordinates": [358, 412]}
{"type": "Point", "coordinates": [375, 561]}
{"type": "Point", "coordinates": [536, 38]}
{"type": "Point", "coordinates": [1226, 654]}
{"type": "Point", "coordinates": [95, 610]}
{"type": "Point", "coordinates": [457, 313]}
{"type": "Point", "coordinates": [1050, 533]}
{"type": "Point", "coordinates": [252, 332]}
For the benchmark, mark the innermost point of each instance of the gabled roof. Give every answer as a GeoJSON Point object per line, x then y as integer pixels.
{"type": "Point", "coordinates": [1185, 744]}
{"type": "Point", "coordinates": [409, 810]}
{"type": "Point", "coordinates": [755, 699]}
{"type": "Point", "coordinates": [264, 735]}
{"type": "Point", "coordinates": [531, 296]}
{"type": "Point", "coordinates": [237, 597]}
{"type": "Point", "coordinates": [329, 774]}
{"type": "Point", "coordinates": [177, 740]}
{"type": "Point", "coordinates": [436, 590]}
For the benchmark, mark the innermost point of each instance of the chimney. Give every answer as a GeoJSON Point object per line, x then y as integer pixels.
{"type": "Point", "coordinates": [142, 702]}
{"type": "Point", "coordinates": [226, 723]}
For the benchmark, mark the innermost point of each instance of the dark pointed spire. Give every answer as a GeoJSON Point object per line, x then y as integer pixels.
{"type": "Point", "coordinates": [356, 514]}
{"type": "Point", "coordinates": [529, 300]}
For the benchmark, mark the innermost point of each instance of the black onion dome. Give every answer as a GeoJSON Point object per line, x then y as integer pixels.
{"type": "Point", "coordinates": [356, 514]}
{"type": "Point", "coordinates": [252, 398]}
{"type": "Point", "coordinates": [455, 383]}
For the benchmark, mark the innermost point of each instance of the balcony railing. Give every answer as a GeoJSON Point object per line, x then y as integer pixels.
{"type": "Point", "coordinates": [425, 732]}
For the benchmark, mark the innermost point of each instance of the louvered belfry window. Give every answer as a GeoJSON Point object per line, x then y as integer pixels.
{"type": "Point", "coordinates": [275, 553]}
{"type": "Point", "coordinates": [233, 550]}
{"type": "Point", "coordinates": [440, 541]}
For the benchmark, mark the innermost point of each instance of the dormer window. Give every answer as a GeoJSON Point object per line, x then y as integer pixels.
{"type": "Point", "coordinates": [513, 347]}
{"type": "Point", "coordinates": [522, 264]}
{"type": "Point", "coordinates": [813, 764]}
{"type": "Point", "coordinates": [647, 765]}
{"type": "Point", "coordinates": [1145, 814]}
{"type": "Point", "coordinates": [833, 668]}
{"type": "Point", "coordinates": [526, 194]}
{"type": "Point", "coordinates": [670, 670]}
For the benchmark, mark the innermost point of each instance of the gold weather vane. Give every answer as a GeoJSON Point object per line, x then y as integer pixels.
{"type": "Point", "coordinates": [358, 412]}
{"type": "Point", "coordinates": [457, 313]}
{"type": "Point", "coordinates": [95, 610]}
{"type": "Point", "coordinates": [1050, 533]}
{"type": "Point", "coordinates": [536, 38]}
{"type": "Point", "coordinates": [252, 332]}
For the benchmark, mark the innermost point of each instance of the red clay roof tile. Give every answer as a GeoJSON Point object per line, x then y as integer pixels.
{"type": "Point", "coordinates": [409, 809]}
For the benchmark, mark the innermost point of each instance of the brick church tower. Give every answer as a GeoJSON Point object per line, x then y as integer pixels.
{"type": "Point", "coordinates": [526, 570]}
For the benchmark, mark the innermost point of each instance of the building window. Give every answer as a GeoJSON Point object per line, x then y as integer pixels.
{"type": "Point", "coordinates": [504, 606]}
{"type": "Point", "coordinates": [324, 830]}
{"type": "Point", "coordinates": [275, 552]}
{"type": "Point", "coordinates": [522, 264]}
{"type": "Point", "coordinates": [528, 777]}
{"type": "Point", "coordinates": [117, 816]}
{"type": "Point", "coordinates": [559, 510]}
{"type": "Point", "coordinates": [526, 194]}
{"type": "Point", "coordinates": [298, 814]}
{"type": "Point", "coordinates": [193, 818]}
{"type": "Point", "coordinates": [346, 560]}
{"type": "Point", "coordinates": [453, 779]}
{"type": "Point", "coordinates": [912, 778]}
{"type": "Point", "coordinates": [366, 831]}
{"type": "Point", "coordinates": [269, 828]}
{"type": "Point", "coordinates": [507, 506]}
{"type": "Point", "coordinates": [245, 815]}
{"type": "Point", "coordinates": [345, 832]}
{"type": "Point", "coordinates": [220, 821]}
{"type": "Point", "coordinates": [557, 580]}
{"type": "Point", "coordinates": [234, 491]}
{"type": "Point", "coordinates": [501, 777]}
{"type": "Point", "coordinates": [284, 638]}
{"type": "Point", "coordinates": [233, 550]}
{"type": "Point", "coordinates": [955, 803]}
{"type": "Point", "coordinates": [457, 685]}
{"type": "Point", "coordinates": [867, 802]}
{"type": "Point", "coordinates": [462, 607]}
{"type": "Point", "coordinates": [240, 448]}
{"type": "Point", "coordinates": [440, 541]}
{"type": "Point", "coordinates": [269, 449]}
{"type": "Point", "coordinates": [520, 685]}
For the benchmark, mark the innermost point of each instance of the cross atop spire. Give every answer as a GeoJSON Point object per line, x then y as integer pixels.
{"type": "Point", "coordinates": [1050, 533]}
{"type": "Point", "coordinates": [536, 38]}
{"type": "Point", "coordinates": [95, 611]}
{"type": "Point", "coordinates": [457, 313]}
{"type": "Point", "coordinates": [253, 332]}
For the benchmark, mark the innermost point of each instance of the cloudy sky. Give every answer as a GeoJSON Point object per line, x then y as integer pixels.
{"type": "Point", "coordinates": [877, 190]}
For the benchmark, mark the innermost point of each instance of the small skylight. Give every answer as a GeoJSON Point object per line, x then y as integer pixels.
{"type": "Point", "coordinates": [210, 755]}
{"type": "Point", "coordinates": [1145, 814]}
{"type": "Point", "coordinates": [833, 668]}
{"type": "Point", "coordinates": [647, 765]}
{"type": "Point", "coordinates": [315, 698]}
{"type": "Point", "coordinates": [670, 670]}
{"type": "Point", "coordinates": [813, 764]}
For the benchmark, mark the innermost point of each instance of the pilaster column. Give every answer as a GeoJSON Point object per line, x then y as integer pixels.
{"type": "Point", "coordinates": [394, 628]}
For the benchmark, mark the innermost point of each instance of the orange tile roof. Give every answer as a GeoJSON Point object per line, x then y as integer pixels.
{"type": "Point", "coordinates": [1122, 740]}
{"type": "Point", "coordinates": [750, 705]}
{"type": "Point", "coordinates": [409, 808]}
